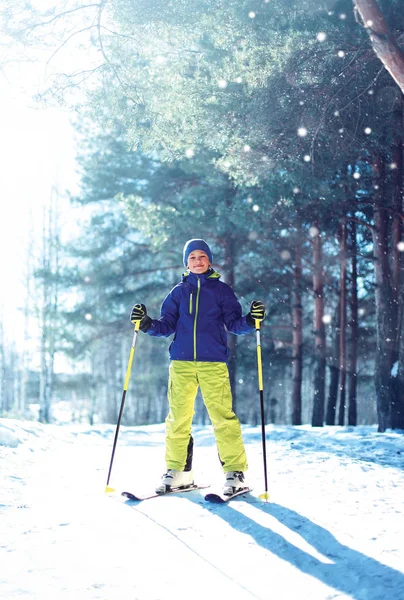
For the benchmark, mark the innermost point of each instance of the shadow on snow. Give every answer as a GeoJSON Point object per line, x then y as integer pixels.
{"type": "Point", "coordinates": [351, 572]}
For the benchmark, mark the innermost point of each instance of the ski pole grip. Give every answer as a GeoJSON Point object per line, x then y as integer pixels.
{"type": "Point", "coordinates": [259, 355]}
{"type": "Point", "coordinates": [137, 325]}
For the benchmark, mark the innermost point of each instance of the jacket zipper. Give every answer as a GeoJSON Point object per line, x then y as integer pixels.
{"type": "Point", "coordinates": [190, 304]}
{"type": "Point", "coordinates": [196, 314]}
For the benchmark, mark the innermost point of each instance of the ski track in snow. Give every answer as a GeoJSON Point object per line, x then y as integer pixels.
{"type": "Point", "coordinates": [333, 529]}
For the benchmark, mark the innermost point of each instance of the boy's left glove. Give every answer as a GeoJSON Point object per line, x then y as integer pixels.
{"type": "Point", "coordinates": [139, 313]}
{"type": "Point", "coordinates": [257, 312]}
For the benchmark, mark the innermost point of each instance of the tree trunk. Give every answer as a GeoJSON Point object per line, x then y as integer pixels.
{"type": "Point", "coordinates": [319, 334]}
{"type": "Point", "coordinates": [353, 329]}
{"type": "Point", "coordinates": [397, 414]}
{"type": "Point", "coordinates": [45, 381]}
{"type": "Point", "coordinates": [229, 266]}
{"type": "Point", "coordinates": [397, 405]}
{"type": "Point", "coordinates": [334, 369]}
{"type": "Point", "coordinates": [50, 299]}
{"type": "Point", "coordinates": [398, 411]}
{"type": "Point", "coordinates": [397, 202]}
{"type": "Point", "coordinates": [383, 41]}
{"type": "Point", "coordinates": [297, 342]}
{"type": "Point", "coordinates": [2, 369]}
{"type": "Point", "coordinates": [26, 354]}
{"type": "Point", "coordinates": [385, 313]}
{"type": "Point", "coordinates": [110, 360]}
{"type": "Point", "coordinates": [342, 337]}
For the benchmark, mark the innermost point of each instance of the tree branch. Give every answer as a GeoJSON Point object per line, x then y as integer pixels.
{"type": "Point", "coordinates": [383, 42]}
{"type": "Point", "coordinates": [59, 16]}
{"type": "Point", "coordinates": [107, 61]}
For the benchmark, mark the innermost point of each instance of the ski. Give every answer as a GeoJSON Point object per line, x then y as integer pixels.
{"type": "Point", "coordinates": [222, 498]}
{"type": "Point", "coordinates": [179, 490]}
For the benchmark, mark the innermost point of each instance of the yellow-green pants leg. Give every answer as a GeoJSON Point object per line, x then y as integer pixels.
{"type": "Point", "coordinates": [213, 379]}
{"type": "Point", "coordinates": [215, 388]}
{"type": "Point", "coordinates": [182, 390]}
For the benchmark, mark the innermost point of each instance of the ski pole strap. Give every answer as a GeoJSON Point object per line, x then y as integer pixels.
{"type": "Point", "coordinates": [259, 355]}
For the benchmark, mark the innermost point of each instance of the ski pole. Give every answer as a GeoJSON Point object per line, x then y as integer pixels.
{"type": "Point", "coordinates": [125, 387]}
{"type": "Point", "coordinates": [265, 495]}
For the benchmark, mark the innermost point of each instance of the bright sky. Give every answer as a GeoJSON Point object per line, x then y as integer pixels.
{"type": "Point", "coordinates": [36, 152]}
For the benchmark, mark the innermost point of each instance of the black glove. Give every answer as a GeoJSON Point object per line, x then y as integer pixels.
{"type": "Point", "coordinates": [257, 312]}
{"type": "Point", "coordinates": [139, 313]}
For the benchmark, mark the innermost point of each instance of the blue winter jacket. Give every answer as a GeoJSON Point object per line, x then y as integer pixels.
{"type": "Point", "coordinates": [197, 310]}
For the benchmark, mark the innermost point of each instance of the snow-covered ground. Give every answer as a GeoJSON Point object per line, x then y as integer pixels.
{"type": "Point", "coordinates": [334, 526]}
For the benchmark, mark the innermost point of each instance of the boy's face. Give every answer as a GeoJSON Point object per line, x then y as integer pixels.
{"type": "Point", "coordinates": [198, 262]}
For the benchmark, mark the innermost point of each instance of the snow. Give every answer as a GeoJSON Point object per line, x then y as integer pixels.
{"type": "Point", "coordinates": [333, 528]}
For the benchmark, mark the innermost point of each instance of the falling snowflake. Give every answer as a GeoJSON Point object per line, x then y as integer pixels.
{"type": "Point", "coordinates": [296, 190]}
{"type": "Point", "coordinates": [368, 130]}
{"type": "Point", "coordinates": [342, 16]}
{"type": "Point", "coordinates": [400, 246]}
{"type": "Point", "coordinates": [336, 113]}
{"type": "Point", "coordinates": [88, 317]}
{"type": "Point", "coordinates": [313, 231]}
{"type": "Point", "coordinates": [321, 36]}
{"type": "Point", "coordinates": [285, 254]}
{"type": "Point", "coordinates": [239, 80]}
{"type": "Point", "coordinates": [326, 319]}
{"type": "Point", "coordinates": [251, 15]}
{"type": "Point", "coordinates": [302, 132]}
{"type": "Point", "coordinates": [189, 153]}
{"type": "Point", "coordinates": [341, 53]}
{"type": "Point", "coordinates": [356, 175]}
{"type": "Point", "coordinates": [222, 83]}
{"type": "Point", "coordinates": [307, 158]}
{"type": "Point", "coordinates": [255, 208]}
{"type": "Point", "coordinates": [247, 148]}
{"type": "Point", "coordinates": [369, 23]}
{"type": "Point", "coordinates": [393, 166]}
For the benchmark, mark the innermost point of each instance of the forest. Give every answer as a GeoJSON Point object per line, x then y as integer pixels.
{"type": "Point", "coordinates": [272, 129]}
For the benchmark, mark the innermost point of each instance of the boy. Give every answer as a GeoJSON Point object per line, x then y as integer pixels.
{"type": "Point", "coordinates": [196, 311]}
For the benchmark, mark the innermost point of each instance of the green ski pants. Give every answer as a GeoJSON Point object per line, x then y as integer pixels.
{"type": "Point", "coordinates": [185, 377]}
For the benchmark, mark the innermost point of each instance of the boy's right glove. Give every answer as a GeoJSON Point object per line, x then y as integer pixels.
{"type": "Point", "coordinates": [257, 312]}
{"type": "Point", "coordinates": [139, 313]}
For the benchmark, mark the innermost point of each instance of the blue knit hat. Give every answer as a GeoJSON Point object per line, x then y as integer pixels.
{"type": "Point", "coordinates": [192, 245]}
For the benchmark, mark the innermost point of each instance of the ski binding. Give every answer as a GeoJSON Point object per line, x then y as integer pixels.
{"type": "Point", "coordinates": [176, 490]}
{"type": "Point", "coordinates": [222, 498]}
